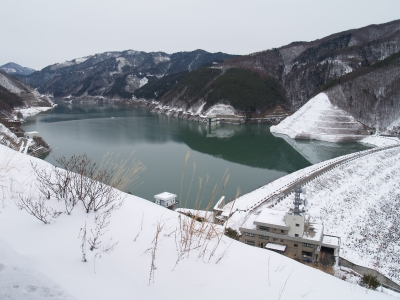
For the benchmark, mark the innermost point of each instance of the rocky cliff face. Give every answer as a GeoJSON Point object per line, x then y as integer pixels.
{"type": "Point", "coordinates": [302, 67]}
{"type": "Point", "coordinates": [114, 74]}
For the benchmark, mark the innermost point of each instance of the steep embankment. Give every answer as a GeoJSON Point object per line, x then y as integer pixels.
{"type": "Point", "coordinates": [318, 119]}
{"type": "Point", "coordinates": [141, 263]}
{"type": "Point", "coordinates": [359, 201]}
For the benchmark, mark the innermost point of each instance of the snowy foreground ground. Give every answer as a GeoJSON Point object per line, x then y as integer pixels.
{"type": "Point", "coordinates": [44, 261]}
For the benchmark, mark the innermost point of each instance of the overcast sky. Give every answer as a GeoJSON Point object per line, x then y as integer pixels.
{"type": "Point", "coordinates": [37, 33]}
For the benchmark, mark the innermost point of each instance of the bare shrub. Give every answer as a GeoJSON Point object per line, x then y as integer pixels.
{"type": "Point", "coordinates": [109, 246]}
{"type": "Point", "coordinates": [83, 242]}
{"type": "Point", "coordinates": [38, 208]}
{"type": "Point", "coordinates": [102, 221]}
{"type": "Point", "coordinates": [83, 180]}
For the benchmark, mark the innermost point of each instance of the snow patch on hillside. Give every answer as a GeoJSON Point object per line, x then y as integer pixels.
{"type": "Point", "coordinates": [122, 62]}
{"type": "Point", "coordinates": [9, 85]}
{"type": "Point", "coordinates": [143, 81]}
{"type": "Point", "coordinates": [221, 109]}
{"type": "Point", "coordinates": [318, 119]}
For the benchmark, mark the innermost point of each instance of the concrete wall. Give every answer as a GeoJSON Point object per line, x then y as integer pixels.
{"type": "Point", "coordinates": [364, 270]}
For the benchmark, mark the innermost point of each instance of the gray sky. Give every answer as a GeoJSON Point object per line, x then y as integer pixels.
{"type": "Point", "coordinates": [37, 33]}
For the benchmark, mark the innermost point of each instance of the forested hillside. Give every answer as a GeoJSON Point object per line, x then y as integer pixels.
{"type": "Point", "coordinates": [371, 94]}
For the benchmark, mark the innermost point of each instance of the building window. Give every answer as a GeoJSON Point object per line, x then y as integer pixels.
{"type": "Point", "coordinates": [275, 239]}
{"type": "Point", "coordinates": [264, 237]}
{"type": "Point", "coordinates": [265, 228]}
{"type": "Point", "coordinates": [296, 245]}
{"type": "Point", "coordinates": [308, 245]}
{"type": "Point", "coordinates": [281, 241]}
{"type": "Point", "coordinates": [250, 242]}
{"type": "Point", "coordinates": [282, 231]}
{"type": "Point", "coordinates": [297, 225]}
{"type": "Point", "coordinates": [296, 235]}
{"type": "Point", "coordinates": [249, 234]}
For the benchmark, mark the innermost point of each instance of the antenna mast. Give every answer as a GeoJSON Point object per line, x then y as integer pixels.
{"type": "Point", "coordinates": [297, 200]}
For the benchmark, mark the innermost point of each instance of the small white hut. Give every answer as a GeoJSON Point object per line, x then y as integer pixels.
{"type": "Point", "coordinates": [166, 199]}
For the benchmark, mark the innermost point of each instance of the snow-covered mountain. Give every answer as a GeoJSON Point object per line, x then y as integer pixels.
{"type": "Point", "coordinates": [114, 74]}
{"type": "Point", "coordinates": [14, 69]}
{"type": "Point", "coordinates": [148, 260]}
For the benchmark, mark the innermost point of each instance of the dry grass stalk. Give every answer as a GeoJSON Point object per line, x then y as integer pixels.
{"type": "Point", "coordinates": [109, 246]}
{"type": "Point", "coordinates": [141, 228]}
{"type": "Point", "coordinates": [183, 174]}
{"type": "Point", "coordinates": [284, 285]}
{"type": "Point", "coordinates": [160, 226]}
{"type": "Point", "coordinates": [190, 186]}
{"type": "Point", "coordinates": [94, 261]}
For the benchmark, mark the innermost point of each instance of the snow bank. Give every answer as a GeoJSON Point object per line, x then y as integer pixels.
{"type": "Point", "coordinates": [243, 272]}
{"type": "Point", "coordinates": [318, 119]}
{"type": "Point", "coordinates": [19, 280]}
{"type": "Point", "coordinates": [31, 111]}
{"type": "Point", "coordinates": [380, 141]}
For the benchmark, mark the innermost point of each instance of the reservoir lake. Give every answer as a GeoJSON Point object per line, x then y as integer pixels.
{"type": "Point", "coordinates": [250, 154]}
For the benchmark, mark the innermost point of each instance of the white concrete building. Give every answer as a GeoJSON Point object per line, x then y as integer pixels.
{"type": "Point", "coordinates": [166, 199]}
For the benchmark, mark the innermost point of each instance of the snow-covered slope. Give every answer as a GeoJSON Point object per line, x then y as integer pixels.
{"type": "Point", "coordinates": [19, 280]}
{"type": "Point", "coordinates": [318, 119]}
{"type": "Point", "coordinates": [54, 249]}
{"type": "Point", "coordinates": [359, 202]}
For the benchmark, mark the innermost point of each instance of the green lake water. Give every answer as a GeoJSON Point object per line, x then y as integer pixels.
{"type": "Point", "coordinates": [250, 153]}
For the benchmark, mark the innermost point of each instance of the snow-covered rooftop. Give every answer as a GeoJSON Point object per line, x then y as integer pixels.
{"type": "Point", "coordinates": [275, 247]}
{"type": "Point", "coordinates": [313, 232]}
{"type": "Point", "coordinates": [331, 240]}
{"type": "Point", "coordinates": [271, 217]}
{"type": "Point", "coordinates": [165, 196]}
